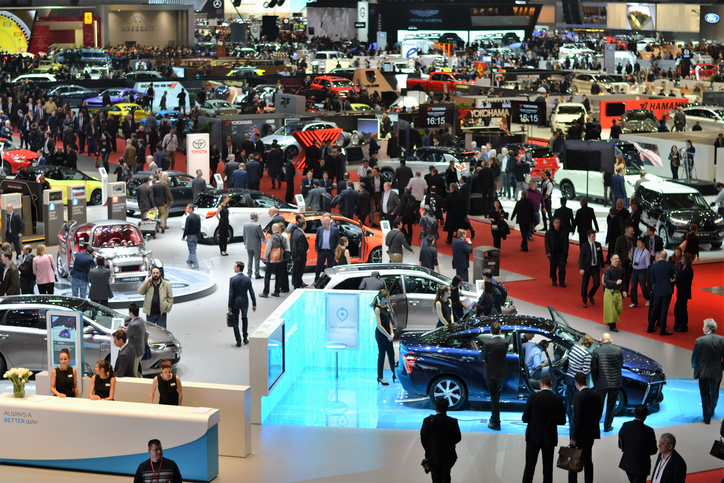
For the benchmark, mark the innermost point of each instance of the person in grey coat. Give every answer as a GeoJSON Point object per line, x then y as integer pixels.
{"type": "Point", "coordinates": [606, 365]}
{"type": "Point", "coordinates": [100, 280]}
{"type": "Point", "coordinates": [136, 334]}
{"type": "Point", "coordinates": [372, 282]}
{"type": "Point", "coordinates": [314, 200]}
{"type": "Point", "coordinates": [252, 240]}
{"type": "Point", "coordinates": [145, 198]}
{"type": "Point", "coordinates": [198, 185]}
{"type": "Point", "coordinates": [231, 166]}
{"type": "Point", "coordinates": [706, 360]}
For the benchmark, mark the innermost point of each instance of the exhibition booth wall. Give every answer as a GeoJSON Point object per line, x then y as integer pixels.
{"type": "Point", "coordinates": [233, 403]}
{"type": "Point", "coordinates": [311, 329]}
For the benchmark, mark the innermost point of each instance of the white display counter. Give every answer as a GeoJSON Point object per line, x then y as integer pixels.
{"type": "Point", "coordinates": [107, 436]}
{"type": "Point", "coordinates": [234, 402]}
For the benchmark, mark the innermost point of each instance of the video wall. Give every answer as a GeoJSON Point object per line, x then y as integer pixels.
{"type": "Point", "coordinates": [650, 17]}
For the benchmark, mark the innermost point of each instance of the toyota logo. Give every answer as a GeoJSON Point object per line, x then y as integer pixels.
{"type": "Point", "coordinates": [198, 144]}
{"type": "Point", "coordinates": [218, 3]}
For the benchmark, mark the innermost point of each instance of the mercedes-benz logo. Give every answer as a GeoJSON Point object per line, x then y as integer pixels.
{"type": "Point", "coordinates": [199, 144]}
{"type": "Point", "coordinates": [218, 4]}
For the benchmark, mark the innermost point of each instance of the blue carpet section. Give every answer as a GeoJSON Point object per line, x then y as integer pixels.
{"type": "Point", "coordinates": [356, 400]}
{"type": "Point", "coordinates": [192, 467]}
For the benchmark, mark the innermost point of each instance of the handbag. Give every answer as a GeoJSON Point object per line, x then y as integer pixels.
{"type": "Point", "coordinates": [147, 353]}
{"type": "Point", "coordinates": [231, 321]}
{"type": "Point", "coordinates": [570, 459]}
{"type": "Point", "coordinates": [717, 449]}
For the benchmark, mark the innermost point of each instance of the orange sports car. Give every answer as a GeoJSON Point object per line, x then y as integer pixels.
{"type": "Point", "coordinates": [365, 244]}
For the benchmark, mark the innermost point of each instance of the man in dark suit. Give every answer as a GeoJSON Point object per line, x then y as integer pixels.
{"type": "Point", "coordinates": [14, 228]}
{"type": "Point", "coordinates": [439, 435]}
{"type": "Point", "coordinates": [403, 175]}
{"type": "Point", "coordinates": [126, 355]}
{"type": "Point", "coordinates": [493, 353]}
{"type": "Point", "coordinates": [390, 203]}
{"type": "Point", "coordinates": [615, 130]}
{"type": "Point", "coordinates": [638, 443]}
{"type": "Point", "coordinates": [566, 216]}
{"type": "Point", "coordinates": [300, 247]}
{"type": "Point", "coordinates": [587, 410]}
{"type": "Point", "coordinates": [590, 264]}
{"type": "Point", "coordinates": [654, 243]}
{"type": "Point", "coordinates": [523, 213]}
{"type": "Point", "coordinates": [706, 359]}
{"type": "Point", "coordinates": [661, 280]}
{"type": "Point", "coordinates": [326, 244]}
{"type": "Point", "coordinates": [462, 248]}
{"type": "Point", "coordinates": [543, 411]}
{"type": "Point", "coordinates": [556, 246]}
{"type": "Point", "coordinates": [312, 158]}
{"type": "Point", "coordinates": [585, 220]}
{"type": "Point", "coordinates": [307, 183]}
{"type": "Point", "coordinates": [606, 365]}
{"type": "Point", "coordinates": [670, 467]}
{"type": "Point", "coordinates": [11, 277]}
{"type": "Point", "coordinates": [239, 286]}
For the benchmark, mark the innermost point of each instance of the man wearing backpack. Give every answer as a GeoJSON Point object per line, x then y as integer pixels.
{"type": "Point", "coordinates": [429, 225]}
{"type": "Point", "coordinates": [277, 248]}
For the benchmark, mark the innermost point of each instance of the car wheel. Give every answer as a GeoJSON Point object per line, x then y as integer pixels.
{"type": "Point", "coordinates": [291, 152]}
{"type": "Point", "coordinates": [450, 388]}
{"type": "Point", "coordinates": [228, 238]}
{"type": "Point", "coordinates": [567, 190]}
{"type": "Point", "coordinates": [619, 408]}
{"type": "Point", "coordinates": [355, 138]}
{"type": "Point", "coordinates": [376, 255]}
{"type": "Point", "coordinates": [96, 197]}
{"type": "Point", "coordinates": [8, 170]}
{"type": "Point", "coordinates": [574, 88]}
{"type": "Point", "coordinates": [387, 175]}
{"type": "Point", "coordinates": [343, 140]}
{"type": "Point", "coordinates": [716, 245]}
{"type": "Point", "coordinates": [61, 271]}
{"type": "Point", "coordinates": [664, 234]}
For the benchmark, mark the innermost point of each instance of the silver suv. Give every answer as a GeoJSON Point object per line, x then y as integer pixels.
{"type": "Point", "coordinates": [23, 333]}
{"type": "Point", "coordinates": [710, 117]}
{"type": "Point", "coordinates": [412, 289]}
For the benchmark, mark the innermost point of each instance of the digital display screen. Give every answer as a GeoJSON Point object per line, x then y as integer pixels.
{"type": "Point", "coordinates": [64, 335]}
{"type": "Point", "coordinates": [529, 113]}
{"type": "Point", "coordinates": [437, 115]}
{"type": "Point", "coordinates": [368, 126]}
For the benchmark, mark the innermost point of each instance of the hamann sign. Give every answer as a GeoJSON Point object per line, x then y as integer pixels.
{"type": "Point", "coordinates": [711, 18]}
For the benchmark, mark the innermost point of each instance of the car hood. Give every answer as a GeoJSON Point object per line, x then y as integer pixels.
{"type": "Point", "coordinates": [636, 360]}
{"type": "Point", "coordinates": [701, 216]}
{"type": "Point", "coordinates": [156, 333]}
{"type": "Point", "coordinates": [567, 117]}
{"type": "Point", "coordinates": [21, 153]}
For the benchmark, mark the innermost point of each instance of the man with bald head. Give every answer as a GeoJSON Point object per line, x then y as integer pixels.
{"type": "Point", "coordinates": [606, 365]}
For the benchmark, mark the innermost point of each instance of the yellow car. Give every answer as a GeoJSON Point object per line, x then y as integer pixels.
{"type": "Point", "coordinates": [60, 177]}
{"type": "Point", "coordinates": [360, 107]}
{"type": "Point", "coordinates": [123, 109]}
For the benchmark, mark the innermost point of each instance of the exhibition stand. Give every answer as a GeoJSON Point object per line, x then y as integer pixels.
{"type": "Point", "coordinates": [107, 436]}
{"type": "Point", "coordinates": [306, 332]}
{"type": "Point", "coordinates": [233, 403]}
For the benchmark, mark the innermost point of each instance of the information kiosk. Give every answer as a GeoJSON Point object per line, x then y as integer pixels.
{"type": "Point", "coordinates": [53, 215]}
{"type": "Point", "coordinates": [77, 203]}
{"type": "Point", "coordinates": [117, 201]}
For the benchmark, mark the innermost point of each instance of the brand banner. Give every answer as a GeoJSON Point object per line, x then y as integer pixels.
{"type": "Point", "coordinates": [198, 149]}
{"type": "Point", "coordinates": [342, 320]}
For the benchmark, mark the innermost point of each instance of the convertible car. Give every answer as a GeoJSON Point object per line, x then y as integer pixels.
{"type": "Point", "coordinates": [60, 177]}
{"type": "Point", "coordinates": [444, 363]}
{"type": "Point", "coordinates": [120, 243]}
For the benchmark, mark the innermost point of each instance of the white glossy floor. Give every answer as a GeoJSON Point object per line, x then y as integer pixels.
{"type": "Point", "coordinates": [287, 453]}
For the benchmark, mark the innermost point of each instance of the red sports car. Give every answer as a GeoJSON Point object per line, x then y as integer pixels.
{"type": "Point", "coordinates": [14, 158]}
{"type": "Point", "coordinates": [333, 84]}
{"type": "Point", "coordinates": [703, 71]}
{"type": "Point", "coordinates": [542, 156]}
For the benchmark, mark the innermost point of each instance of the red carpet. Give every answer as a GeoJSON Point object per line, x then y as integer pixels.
{"type": "Point", "coordinates": [568, 300]}
{"type": "Point", "coordinates": [713, 476]}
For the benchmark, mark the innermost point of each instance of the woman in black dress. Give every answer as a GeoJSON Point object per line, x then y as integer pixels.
{"type": "Point", "coordinates": [341, 255]}
{"type": "Point", "coordinates": [103, 384]}
{"type": "Point", "coordinates": [458, 309]}
{"type": "Point", "coordinates": [384, 333]}
{"type": "Point", "coordinates": [223, 215]}
{"type": "Point", "coordinates": [684, 280]}
{"type": "Point", "coordinates": [64, 379]}
{"type": "Point", "coordinates": [498, 225]}
{"type": "Point", "coordinates": [443, 306]}
{"type": "Point", "coordinates": [691, 243]}
{"type": "Point", "coordinates": [169, 387]}
{"type": "Point", "coordinates": [214, 159]}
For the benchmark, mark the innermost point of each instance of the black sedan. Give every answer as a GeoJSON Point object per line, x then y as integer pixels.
{"type": "Point", "coordinates": [72, 94]}
{"type": "Point", "coordinates": [180, 184]}
{"type": "Point", "coordinates": [444, 362]}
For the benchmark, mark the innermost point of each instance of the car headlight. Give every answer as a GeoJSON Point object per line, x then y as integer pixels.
{"type": "Point", "coordinates": [157, 346]}
{"type": "Point", "coordinates": [679, 221]}
{"type": "Point", "coordinates": [642, 372]}
{"type": "Point", "coordinates": [116, 269]}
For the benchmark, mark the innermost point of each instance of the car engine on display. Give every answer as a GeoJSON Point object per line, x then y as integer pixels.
{"type": "Point", "coordinates": [185, 163]}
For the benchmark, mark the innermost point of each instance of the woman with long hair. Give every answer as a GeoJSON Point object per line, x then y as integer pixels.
{"type": "Point", "coordinates": [384, 333]}
{"type": "Point", "coordinates": [443, 306]}
{"type": "Point", "coordinates": [44, 270]}
{"type": "Point", "coordinates": [105, 148]}
{"type": "Point", "coordinates": [498, 226]}
{"type": "Point", "coordinates": [674, 162]}
{"type": "Point", "coordinates": [222, 213]}
{"type": "Point", "coordinates": [341, 255]}
{"type": "Point", "coordinates": [103, 383]}
{"type": "Point", "coordinates": [64, 379]}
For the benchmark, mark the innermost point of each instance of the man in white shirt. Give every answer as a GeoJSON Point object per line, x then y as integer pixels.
{"type": "Point", "coordinates": [418, 186]}
{"type": "Point", "coordinates": [362, 171]}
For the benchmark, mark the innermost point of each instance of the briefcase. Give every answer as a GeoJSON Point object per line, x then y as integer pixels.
{"type": "Point", "coordinates": [717, 449]}
{"type": "Point", "coordinates": [570, 459]}
{"type": "Point", "coordinates": [231, 321]}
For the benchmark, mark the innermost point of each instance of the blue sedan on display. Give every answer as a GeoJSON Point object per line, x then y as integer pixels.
{"type": "Point", "coordinates": [117, 96]}
{"type": "Point", "coordinates": [444, 362]}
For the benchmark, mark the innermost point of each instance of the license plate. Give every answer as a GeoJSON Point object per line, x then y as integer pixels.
{"type": "Point", "coordinates": [130, 279]}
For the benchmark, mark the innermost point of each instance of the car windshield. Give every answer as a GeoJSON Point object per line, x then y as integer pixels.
{"type": "Point", "coordinates": [290, 127]}
{"type": "Point", "coordinates": [684, 201]}
{"type": "Point", "coordinates": [640, 115]}
{"type": "Point", "coordinates": [571, 110]}
{"type": "Point", "coordinates": [571, 335]}
{"type": "Point", "coordinates": [116, 236]}
{"type": "Point", "coordinates": [8, 146]}
{"type": "Point", "coordinates": [103, 316]}
{"type": "Point", "coordinates": [342, 83]}
{"type": "Point", "coordinates": [459, 77]}
{"type": "Point", "coordinates": [542, 153]}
